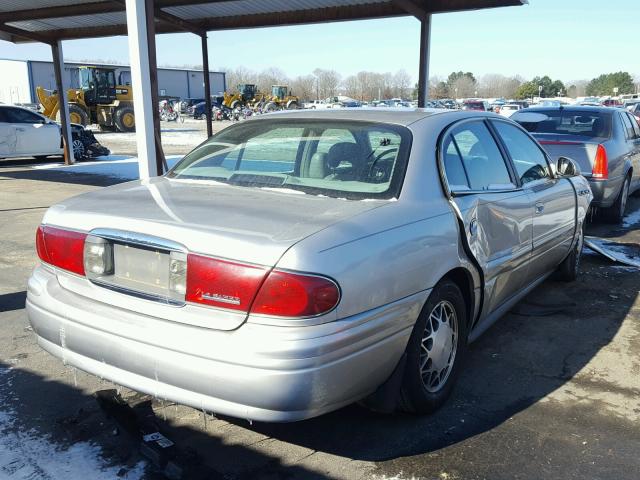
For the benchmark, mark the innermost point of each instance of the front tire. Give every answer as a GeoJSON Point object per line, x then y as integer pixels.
{"type": "Point", "coordinates": [435, 350]}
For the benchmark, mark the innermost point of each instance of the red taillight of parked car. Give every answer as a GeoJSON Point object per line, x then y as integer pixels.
{"type": "Point", "coordinates": [287, 294]}
{"type": "Point", "coordinates": [601, 164]}
{"type": "Point", "coordinates": [221, 283]}
{"type": "Point", "coordinates": [61, 248]}
{"type": "Point", "coordinates": [236, 286]}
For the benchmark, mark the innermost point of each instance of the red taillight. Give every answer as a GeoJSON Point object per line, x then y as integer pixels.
{"type": "Point", "coordinates": [225, 284]}
{"type": "Point", "coordinates": [221, 283]}
{"type": "Point", "coordinates": [286, 294]}
{"type": "Point", "coordinates": [601, 164]}
{"type": "Point", "coordinates": [61, 248]}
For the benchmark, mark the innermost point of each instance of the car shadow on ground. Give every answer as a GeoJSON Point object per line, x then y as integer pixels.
{"type": "Point", "coordinates": [56, 176]}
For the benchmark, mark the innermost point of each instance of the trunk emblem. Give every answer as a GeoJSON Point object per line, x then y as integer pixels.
{"type": "Point", "coordinates": [222, 298]}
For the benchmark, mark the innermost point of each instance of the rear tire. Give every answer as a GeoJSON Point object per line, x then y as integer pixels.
{"type": "Point", "coordinates": [615, 213]}
{"type": "Point", "coordinates": [568, 269]}
{"type": "Point", "coordinates": [270, 107]}
{"type": "Point", "coordinates": [125, 119]}
{"type": "Point", "coordinates": [435, 351]}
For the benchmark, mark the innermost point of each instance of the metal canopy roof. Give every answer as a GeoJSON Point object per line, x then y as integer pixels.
{"type": "Point", "coordinates": [51, 20]}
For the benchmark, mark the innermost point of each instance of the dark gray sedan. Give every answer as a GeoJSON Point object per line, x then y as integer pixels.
{"type": "Point", "coordinates": [604, 142]}
{"type": "Point", "coordinates": [301, 261]}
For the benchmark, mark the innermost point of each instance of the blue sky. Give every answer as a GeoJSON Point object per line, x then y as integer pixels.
{"type": "Point", "coordinates": [566, 39]}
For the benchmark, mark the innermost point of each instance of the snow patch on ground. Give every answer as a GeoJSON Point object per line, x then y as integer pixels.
{"type": "Point", "coordinates": [631, 219]}
{"type": "Point", "coordinates": [118, 166]}
{"type": "Point", "coordinates": [28, 454]}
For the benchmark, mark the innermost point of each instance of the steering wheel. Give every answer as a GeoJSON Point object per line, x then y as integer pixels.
{"type": "Point", "coordinates": [377, 159]}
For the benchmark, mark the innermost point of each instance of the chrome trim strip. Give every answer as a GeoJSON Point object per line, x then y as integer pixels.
{"type": "Point", "coordinates": [140, 239]}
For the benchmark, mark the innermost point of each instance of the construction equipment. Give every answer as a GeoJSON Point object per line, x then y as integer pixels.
{"type": "Point", "coordinates": [246, 95]}
{"type": "Point", "coordinates": [98, 100]}
{"type": "Point", "coordinates": [281, 98]}
{"type": "Point", "coordinates": [249, 96]}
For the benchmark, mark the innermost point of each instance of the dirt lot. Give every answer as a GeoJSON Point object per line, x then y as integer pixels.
{"type": "Point", "coordinates": [551, 391]}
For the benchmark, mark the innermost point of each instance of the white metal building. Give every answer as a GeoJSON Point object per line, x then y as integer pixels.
{"type": "Point", "coordinates": [20, 78]}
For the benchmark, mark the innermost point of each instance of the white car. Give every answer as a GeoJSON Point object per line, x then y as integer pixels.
{"type": "Point", "coordinates": [509, 109]}
{"type": "Point", "coordinates": [317, 105]}
{"type": "Point", "coordinates": [25, 133]}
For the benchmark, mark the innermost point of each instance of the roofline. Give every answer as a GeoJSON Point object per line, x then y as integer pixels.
{"type": "Point", "coordinates": [387, 9]}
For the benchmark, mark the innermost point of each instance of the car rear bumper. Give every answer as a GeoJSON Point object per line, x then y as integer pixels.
{"type": "Point", "coordinates": [257, 372]}
{"type": "Point", "coordinates": [605, 192]}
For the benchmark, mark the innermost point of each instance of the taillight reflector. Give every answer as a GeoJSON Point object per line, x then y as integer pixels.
{"type": "Point", "coordinates": [221, 283]}
{"type": "Point", "coordinates": [601, 164]}
{"type": "Point", "coordinates": [61, 248]}
{"type": "Point", "coordinates": [286, 294]}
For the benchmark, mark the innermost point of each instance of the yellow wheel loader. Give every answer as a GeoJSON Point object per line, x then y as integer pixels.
{"type": "Point", "coordinates": [281, 99]}
{"type": "Point", "coordinates": [246, 95]}
{"type": "Point", "coordinates": [98, 100]}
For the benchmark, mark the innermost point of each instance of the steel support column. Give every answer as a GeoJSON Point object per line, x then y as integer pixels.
{"type": "Point", "coordinates": [141, 84]}
{"type": "Point", "coordinates": [425, 53]}
{"type": "Point", "coordinates": [161, 161]}
{"type": "Point", "coordinates": [58, 68]}
{"type": "Point", "coordinates": [207, 84]}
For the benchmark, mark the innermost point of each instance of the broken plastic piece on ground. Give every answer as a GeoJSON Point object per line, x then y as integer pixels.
{"type": "Point", "coordinates": [616, 252]}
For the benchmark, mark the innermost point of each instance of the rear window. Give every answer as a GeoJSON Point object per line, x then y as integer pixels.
{"type": "Point", "coordinates": [345, 159]}
{"type": "Point", "coordinates": [591, 124]}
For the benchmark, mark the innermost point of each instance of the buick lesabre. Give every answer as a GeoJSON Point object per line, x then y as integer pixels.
{"type": "Point", "coordinates": [301, 261]}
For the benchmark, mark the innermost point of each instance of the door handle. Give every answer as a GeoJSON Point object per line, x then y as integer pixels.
{"type": "Point", "coordinates": [473, 227]}
{"type": "Point", "coordinates": [19, 129]}
{"type": "Point", "coordinates": [539, 208]}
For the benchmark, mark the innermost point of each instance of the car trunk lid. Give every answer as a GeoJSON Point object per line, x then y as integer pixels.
{"type": "Point", "coordinates": [578, 148]}
{"type": "Point", "coordinates": [152, 219]}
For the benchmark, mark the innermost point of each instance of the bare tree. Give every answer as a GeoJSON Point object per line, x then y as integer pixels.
{"type": "Point", "coordinates": [271, 76]}
{"type": "Point", "coordinates": [351, 86]}
{"type": "Point", "coordinates": [327, 82]}
{"type": "Point", "coordinates": [304, 86]}
{"type": "Point", "coordinates": [401, 83]}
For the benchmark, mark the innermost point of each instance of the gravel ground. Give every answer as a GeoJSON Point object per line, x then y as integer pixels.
{"type": "Point", "coordinates": [551, 391]}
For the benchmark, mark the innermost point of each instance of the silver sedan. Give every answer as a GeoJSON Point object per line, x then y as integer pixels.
{"type": "Point", "coordinates": [301, 261]}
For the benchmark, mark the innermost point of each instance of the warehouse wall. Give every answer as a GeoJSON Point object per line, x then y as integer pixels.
{"type": "Point", "coordinates": [171, 82]}
{"type": "Point", "coordinates": [14, 82]}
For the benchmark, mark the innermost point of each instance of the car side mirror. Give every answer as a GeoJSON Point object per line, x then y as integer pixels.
{"type": "Point", "coordinates": [567, 167]}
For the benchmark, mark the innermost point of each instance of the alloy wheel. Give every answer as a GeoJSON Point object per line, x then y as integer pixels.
{"type": "Point", "coordinates": [438, 347]}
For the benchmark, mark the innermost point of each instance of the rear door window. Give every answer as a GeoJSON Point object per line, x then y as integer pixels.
{"type": "Point", "coordinates": [453, 167]}
{"type": "Point", "coordinates": [628, 125]}
{"type": "Point", "coordinates": [530, 162]}
{"type": "Point", "coordinates": [481, 158]}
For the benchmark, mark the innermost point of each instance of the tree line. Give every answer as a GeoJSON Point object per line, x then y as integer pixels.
{"type": "Point", "coordinates": [367, 85]}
